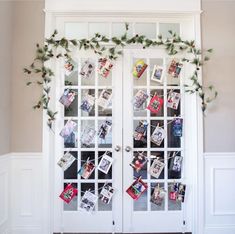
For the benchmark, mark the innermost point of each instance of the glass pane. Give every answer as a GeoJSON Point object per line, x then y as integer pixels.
{"type": "Point", "coordinates": [118, 29]}
{"type": "Point", "coordinates": [154, 124]}
{"type": "Point", "coordinates": [160, 94]}
{"type": "Point", "coordinates": [175, 165]}
{"type": "Point", "coordinates": [173, 109]}
{"type": "Point", "coordinates": [102, 206]}
{"type": "Point", "coordinates": [105, 81]}
{"type": "Point", "coordinates": [139, 141]}
{"type": "Point", "coordinates": [172, 203]}
{"type": "Point", "coordinates": [139, 164]}
{"type": "Point", "coordinates": [108, 110]}
{"type": "Point", "coordinates": [160, 204]}
{"type": "Point", "coordinates": [71, 172]}
{"type": "Point", "coordinates": [87, 72]}
{"type": "Point", "coordinates": [76, 30]}
{"type": "Point", "coordinates": [105, 142]}
{"type": "Point", "coordinates": [139, 65]}
{"type": "Point", "coordinates": [84, 94]}
{"type": "Point", "coordinates": [101, 28]}
{"type": "Point", "coordinates": [160, 155]}
{"type": "Point", "coordinates": [147, 29]}
{"type": "Point", "coordinates": [73, 203]}
{"type": "Point", "coordinates": [102, 175]}
{"type": "Point", "coordinates": [88, 135]}
{"type": "Point", "coordinates": [165, 27]}
{"type": "Point", "coordinates": [71, 78]}
{"type": "Point", "coordinates": [141, 111]}
{"type": "Point", "coordinates": [84, 157]}
{"type": "Point", "coordinates": [141, 204]}
{"type": "Point", "coordinates": [155, 64]}
{"type": "Point", "coordinates": [71, 141]}
{"type": "Point", "coordinates": [72, 109]}
{"type": "Point", "coordinates": [172, 141]}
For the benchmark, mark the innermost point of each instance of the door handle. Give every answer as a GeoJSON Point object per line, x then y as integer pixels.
{"type": "Point", "coordinates": [117, 148]}
{"type": "Point", "coordinates": [128, 148]}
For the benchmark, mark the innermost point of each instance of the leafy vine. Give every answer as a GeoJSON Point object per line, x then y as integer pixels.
{"type": "Point", "coordinates": [54, 48]}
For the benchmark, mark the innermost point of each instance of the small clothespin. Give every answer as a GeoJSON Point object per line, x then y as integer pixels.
{"type": "Point", "coordinates": [88, 159]}
{"type": "Point", "coordinates": [139, 178]}
{"type": "Point", "coordinates": [158, 125]}
{"type": "Point", "coordinates": [158, 187]}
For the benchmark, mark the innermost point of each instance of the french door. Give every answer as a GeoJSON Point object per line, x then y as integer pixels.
{"type": "Point", "coordinates": [122, 214]}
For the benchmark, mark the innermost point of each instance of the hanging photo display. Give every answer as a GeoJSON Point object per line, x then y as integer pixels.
{"type": "Point", "coordinates": [105, 66]}
{"type": "Point", "coordinates": [88, 201]}
{"type": "Point", "coordinates": [104, 99]}
{"type": "Point", "coordinates": [158, 135]}
{"type": "Point", "coordinates": [88, 136]}
{"type": "Point", "coordinates": [156, 168]}
{"type": "Point", "coordinates": [155, 104]}
{"type": "Point", "coordinates": [141, 131]}
{"type": "Point", "coordinates": [173, 100]}
{"type": "Point", "coordinates": [158, 74]}
{"type": "Point", "coordinates": [175, 68]}
{"type": "Point", "coordinates": [105, 163]}
{"type": "Point", "coordinates": [66, 161]}
{"type": "Point", "coordinates": [87, 103]}
{"type": "Point", "coordinates": [177, 129]}
{"type": "Point", "coordinates": [87, 69]}
{"type": "Point", "coordinates": [181, 192]}
{"type": "Point", "coordinates": [158, 196]}
{"type": "Point", "coordinates": [139, 161]}
{"type": "Point", "coordinates": [137, 188]}
{"type": "Point", "coordinates": [69, 193]}
{"type": "Point", "coordinates": [67, 98]}
{"type": "Point", "coordinates": [68, 129]}
{"type": "Point", "coordinates": [86, 169]}
{"type": "Point", "coordinates": [139, 68]}
{"type": "Point", "coordinates": [104, 129]}
{"type": "Point", "coordinates": [140, 98]}
{"type": "Point", "coordinates": [69, 67]}
{"type": "Point", "coordinates": [106, 194]}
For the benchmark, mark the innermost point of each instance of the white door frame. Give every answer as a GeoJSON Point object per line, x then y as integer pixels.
{"type": "Point", "coordinates": [48, 142]}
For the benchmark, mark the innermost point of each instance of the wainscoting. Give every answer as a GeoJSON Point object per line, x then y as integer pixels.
{"type": "Point", "coordinates": [219, 193]}
{"type": "Point", "coordinates": [21, 193]}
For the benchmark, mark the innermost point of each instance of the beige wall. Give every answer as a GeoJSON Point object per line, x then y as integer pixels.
{"type": "Point", "coordinates": [5, 75]}
{"type": "Point", "coordinates": [28, 29]}
{"type": "Point", "coordinates": [218, 32]}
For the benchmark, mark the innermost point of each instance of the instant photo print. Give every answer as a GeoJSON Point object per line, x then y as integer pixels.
{"type": "Point", "coordinates": [106, 194]}
{"type": "Point", "coordinates": [104, 99]}
{"type": "Point", "coordinates": [105, 163]}
{"type": "Point", "coordinates": [158, 74]}
{"type": "Point", "coordinates": [88, 201]}
{"type": "Point", "coordinates": [67, 98]}
{"type": "Point", "coordinates": [156, 168]}
{"type": "Point", "coordinates": [140, 98]}
{"type": "Point", "coordinates": [137, 188]}
{"type": "Point", "coordinates": [139, 161]}
{"type": "Point", "coordinates": [139, 68]}
{"type": "Point", "coordinates": [155, 104]}
{"type": "Point", "coordinates": [105, 66]}
{"type": "Point", "coordinates": [69, 193]}
{"type": "Point", "coordinates": [66, 161]}
{"type": "Point", "coordinates": [87, 103]}
{"type": "Point", "coordinates": [87, 69]}
{"type": "Point", "coordinates": [158, 136]}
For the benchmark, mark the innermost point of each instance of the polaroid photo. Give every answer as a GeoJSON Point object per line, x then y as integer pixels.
{"type": "Point", "coordinates": [173, 100]}
{"type": "Point", "coordinates": [69, 67]}
{"type": "Point", "coordinates": [175, 68]}
{"type": "Point", "coordinates": [105, 66]}
{"type": "Point", "coordinates": [87, 69]}
{"type": "Point", "coordinates": [174, 191]}
{"type": "Point", "coordinates": [141, 131]}
{"type": "Point", "coordinates": [156, 168]}
{"type": "Point", "coordinates": [86, 170]}
{"type": "Point", "coordinates": [68, 129]}
{"type": "Point", "coordinates": [104, 129]}
{"type": "Point", "coordinates": [140, 98]}
{"type": "Point", "coordinates": [67, 98]}
{"type": "Point", "coordinates": [158, 74]}
{"type": "Point", "coordinates": [181, 192]}
{"type": "Point", "coordinates": [88, 201]}
{"type": "Point", "coordinates": [105, 163]}
{"type": "Point", "coordinates": [106, 194]}
{"type": "Point", "coordinates": [66, 161]}
{"type": "Point", "coordinates": [177, 128]}
{"type": "Point", "coordinates": [104, 99]}
{"type": "Point", "coordinates": [87, 103]}
{"type": "Point", "coordinates": [139, 68]}
{"type": "Point", "coordinates": [138, 162]}
{"type": "Point", "coordinates": [176, 164]}
{"type": "Point", "coordinates": [68, 194]}
{"type": "Point", "coordinates": [158, 136]}
{"type": "Point", "coordinates": [88, 136]}
{"type": "Point", "coordinates": [155, 104]}
{"type": "Point", "coordinates": [137, 188]}
{"type": "Point", "coordinates": [158, 196]}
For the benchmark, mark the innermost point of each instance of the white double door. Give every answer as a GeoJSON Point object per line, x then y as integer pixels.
{"type": "Point", "coordinates": [123, 214]}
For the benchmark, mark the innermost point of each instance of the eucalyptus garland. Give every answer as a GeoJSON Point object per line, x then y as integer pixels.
{"type": "Point", "coordinates": [54, 48]}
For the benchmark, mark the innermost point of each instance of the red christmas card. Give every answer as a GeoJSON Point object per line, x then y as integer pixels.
{"type": "Point", "coordinates": [155, 104]}
{"type": "Point", "coordinates": [69, 193]}
{"type": "Point", "coordinates": [137, 188]}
